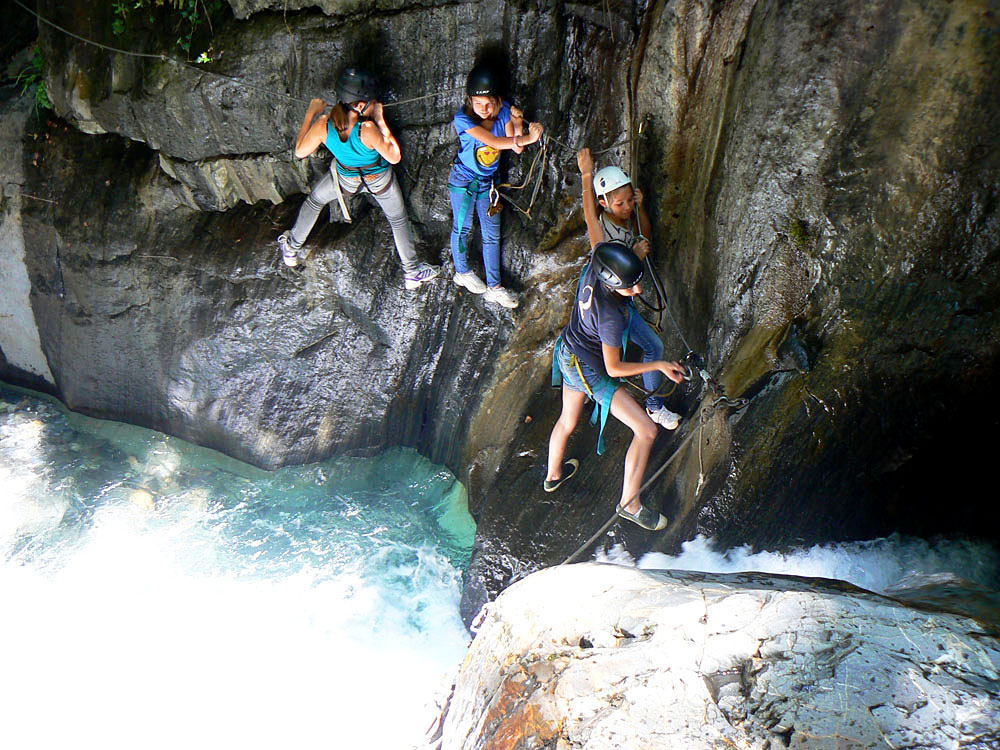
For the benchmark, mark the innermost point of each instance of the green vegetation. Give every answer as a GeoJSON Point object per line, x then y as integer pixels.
{"type": "Point", "coordinates": [798, 232]}
{"type": "Point", "coordinates": [33, 77]}
{"type": "Point", "coordinates": [183, 18]}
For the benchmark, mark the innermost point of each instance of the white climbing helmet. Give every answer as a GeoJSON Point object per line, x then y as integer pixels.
{"type": "Point", "coordinates": [609, 179]}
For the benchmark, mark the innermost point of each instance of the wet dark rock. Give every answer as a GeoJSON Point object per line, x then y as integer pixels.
{"type": "Point", "coordinates": [824, 183]}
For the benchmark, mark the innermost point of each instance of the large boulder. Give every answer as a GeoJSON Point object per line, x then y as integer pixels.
{"type": "Point", "coordinates": [601, 656]}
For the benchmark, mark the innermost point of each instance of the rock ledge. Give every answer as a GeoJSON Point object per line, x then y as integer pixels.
{"type": "Point", "coordinates": [601, 656]}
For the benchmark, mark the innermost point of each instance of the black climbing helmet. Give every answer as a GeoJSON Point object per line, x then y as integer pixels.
{"type": "Point", "coordinates": [617, 266]}
{"type": "Point", "coordinates": [482, 81]}
{"type": "Point", "coordinates": [356, 85]}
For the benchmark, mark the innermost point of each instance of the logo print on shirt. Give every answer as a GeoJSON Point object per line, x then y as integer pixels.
{"type": "Point", "coordinates": [584, 306]}
{"type": "Point", "coordinates": [487, 156]}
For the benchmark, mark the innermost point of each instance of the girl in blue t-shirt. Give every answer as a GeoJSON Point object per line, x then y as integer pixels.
{"type": "Point", "coordinates": [486, 125]}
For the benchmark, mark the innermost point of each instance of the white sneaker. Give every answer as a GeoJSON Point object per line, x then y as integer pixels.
{"type": "Point", "coordinates": [424, 272]}
{"type": "Point", "coordinates": [288, 253]}
{"type": "Point", "coordinates": [501, 296]}
{"type": "Point", "coordinates": [665, 418]}
{"type": "Point", "coordinates": [470, 281]}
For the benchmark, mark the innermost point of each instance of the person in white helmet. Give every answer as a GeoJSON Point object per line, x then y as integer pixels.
{"type": "Point", "coordinates": [610, 205]}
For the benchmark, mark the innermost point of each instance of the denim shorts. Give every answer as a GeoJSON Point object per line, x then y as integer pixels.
{"type": "Point", "coordinates": [602, 386]}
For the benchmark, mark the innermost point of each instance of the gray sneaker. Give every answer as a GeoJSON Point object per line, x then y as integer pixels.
{"type": "Point", "coordinates": [665, 418]}
{"type": "Point", "coordinates": [424, 272]}
{"type": "Point", "coordinates": [501, 296]}
{"type": "Point", "coordinates": [289, 254]}
{"type": "Point", "coordinates": [470, 281]}
{"type": "Point", "coordinates": [646, 517]}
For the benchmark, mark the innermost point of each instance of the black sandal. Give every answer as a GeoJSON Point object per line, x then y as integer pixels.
{"type": "Point", "coordinates": [569, 469]}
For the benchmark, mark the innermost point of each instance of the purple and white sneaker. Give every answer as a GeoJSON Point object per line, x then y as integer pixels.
{"type": "Point", "coordinates": [424, 272]}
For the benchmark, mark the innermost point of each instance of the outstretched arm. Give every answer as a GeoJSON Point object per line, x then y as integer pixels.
{"type": "Point", "coordinates": [618, 369]}
{"type": "Point", "coordinates": [591, 211]}
{"type": "Point", "coordinates": [376, 134]}
{"type": "Point", "coordinates": [313, 130]}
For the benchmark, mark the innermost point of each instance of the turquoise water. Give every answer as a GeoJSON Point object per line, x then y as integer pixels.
{"type": "Point", "coordinates": [156, 593]}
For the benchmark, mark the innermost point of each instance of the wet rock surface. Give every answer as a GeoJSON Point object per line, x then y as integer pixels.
{"type": "Point", "coordinates": [823, 183]}
{"type": "Point", "coordinates": [601, 656]}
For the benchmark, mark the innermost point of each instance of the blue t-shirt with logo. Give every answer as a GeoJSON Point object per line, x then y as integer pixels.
{"type": "Point", "coordinates": [599, 316]}
{"type": "Point", "coordinates": [475, 158]}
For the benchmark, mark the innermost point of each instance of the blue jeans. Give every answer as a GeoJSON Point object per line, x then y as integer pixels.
{"type": "Point", "coordinates": [489, 226]}
{"type": "Point", "coordinates": [647, 339]}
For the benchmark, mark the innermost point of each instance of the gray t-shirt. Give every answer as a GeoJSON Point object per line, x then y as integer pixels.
{"type": "Point", "coordinates": [615, 233]}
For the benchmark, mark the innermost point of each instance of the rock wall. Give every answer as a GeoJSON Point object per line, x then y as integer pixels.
{"type": "Point", "coordinates": [823, 182]}
{"type": "Point", "coordinates": [20, 346]}
{"type": "Point", "coordinates": [600, 656]}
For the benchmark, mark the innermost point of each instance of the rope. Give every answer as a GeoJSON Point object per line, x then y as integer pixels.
{"type": "Point", "coordinates": [420, 98]}
{"type": "Point", "coordinates": [54, 25]}
{"type": "Point", "coordinates": [539, 156]}
{"type": "Point", "coordinates": [705, 412]}
{"type": "Point", "coordinates": [659, 292]}
{"type": "Point", "coordinates": [574, 149]}
{"type": "Point", "coordinates": [181, 63]}
{"type": "Point", "coordinates": [659, 392]}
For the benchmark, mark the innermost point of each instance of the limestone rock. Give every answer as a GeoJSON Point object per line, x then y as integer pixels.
{"type": "Point", "coordinates": [601, 656]}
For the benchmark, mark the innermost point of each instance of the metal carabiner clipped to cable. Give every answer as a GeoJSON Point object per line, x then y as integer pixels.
{"type": "Point", "coordinates": [495, 206]}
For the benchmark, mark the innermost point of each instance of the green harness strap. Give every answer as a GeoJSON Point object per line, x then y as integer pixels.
{"type": "Point", "coordinates": [473, 190]}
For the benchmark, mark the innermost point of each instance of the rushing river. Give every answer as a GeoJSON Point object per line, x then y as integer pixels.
{"type": "Point", "coordinates": [156, 594]}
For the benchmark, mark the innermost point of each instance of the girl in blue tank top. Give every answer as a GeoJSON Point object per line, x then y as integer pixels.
{"type": "Point", "coordinates": [364, 149]}
{"type": "Point", "coordinates": [486, 125]}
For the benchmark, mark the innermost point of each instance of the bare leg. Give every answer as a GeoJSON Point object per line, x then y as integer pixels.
{"type": "Point", "coordinates": [572, 407]}
{"type": "Point", "coordinates": [626, 410]}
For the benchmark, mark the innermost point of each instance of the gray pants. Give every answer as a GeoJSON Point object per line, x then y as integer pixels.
{"type": "Point", "coordinates": [390, 201]}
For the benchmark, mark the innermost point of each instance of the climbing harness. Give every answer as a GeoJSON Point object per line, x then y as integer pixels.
{"type": "Point", "coordinates": [340, 195]}
{"type": "Point", "coordinates": [472, 191]}
{"type": "Point", "coordinates": [601, 408]}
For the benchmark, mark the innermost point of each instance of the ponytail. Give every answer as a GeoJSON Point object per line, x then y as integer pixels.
{"type": "Point", "coordinates": [341, 120]}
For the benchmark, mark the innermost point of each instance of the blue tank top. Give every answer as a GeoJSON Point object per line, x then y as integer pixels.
{"type": "Point", "coordinates": [353, 155]}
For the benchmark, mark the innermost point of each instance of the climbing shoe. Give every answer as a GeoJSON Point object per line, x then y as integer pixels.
{"type": "Point", "coordinates": [569, 469]}
{"type": "Point", "coordinates": [422, 273]}
{"type": "Point", "coordinates": [501, 296]}
{"type": "Point", "coordinates": [648, 519]}
{"type": "Point", "coordinates": [470, 281]}
{"type": "Point", "coordinates": [665, 418]}
{"type": "Point", "coordinates": [289, 254]}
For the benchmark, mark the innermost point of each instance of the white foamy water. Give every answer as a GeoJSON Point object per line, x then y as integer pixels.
{"type": "Point", "coordinates": [879, 565]}
{"type": "Point", "coordinates": [158, 595]}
